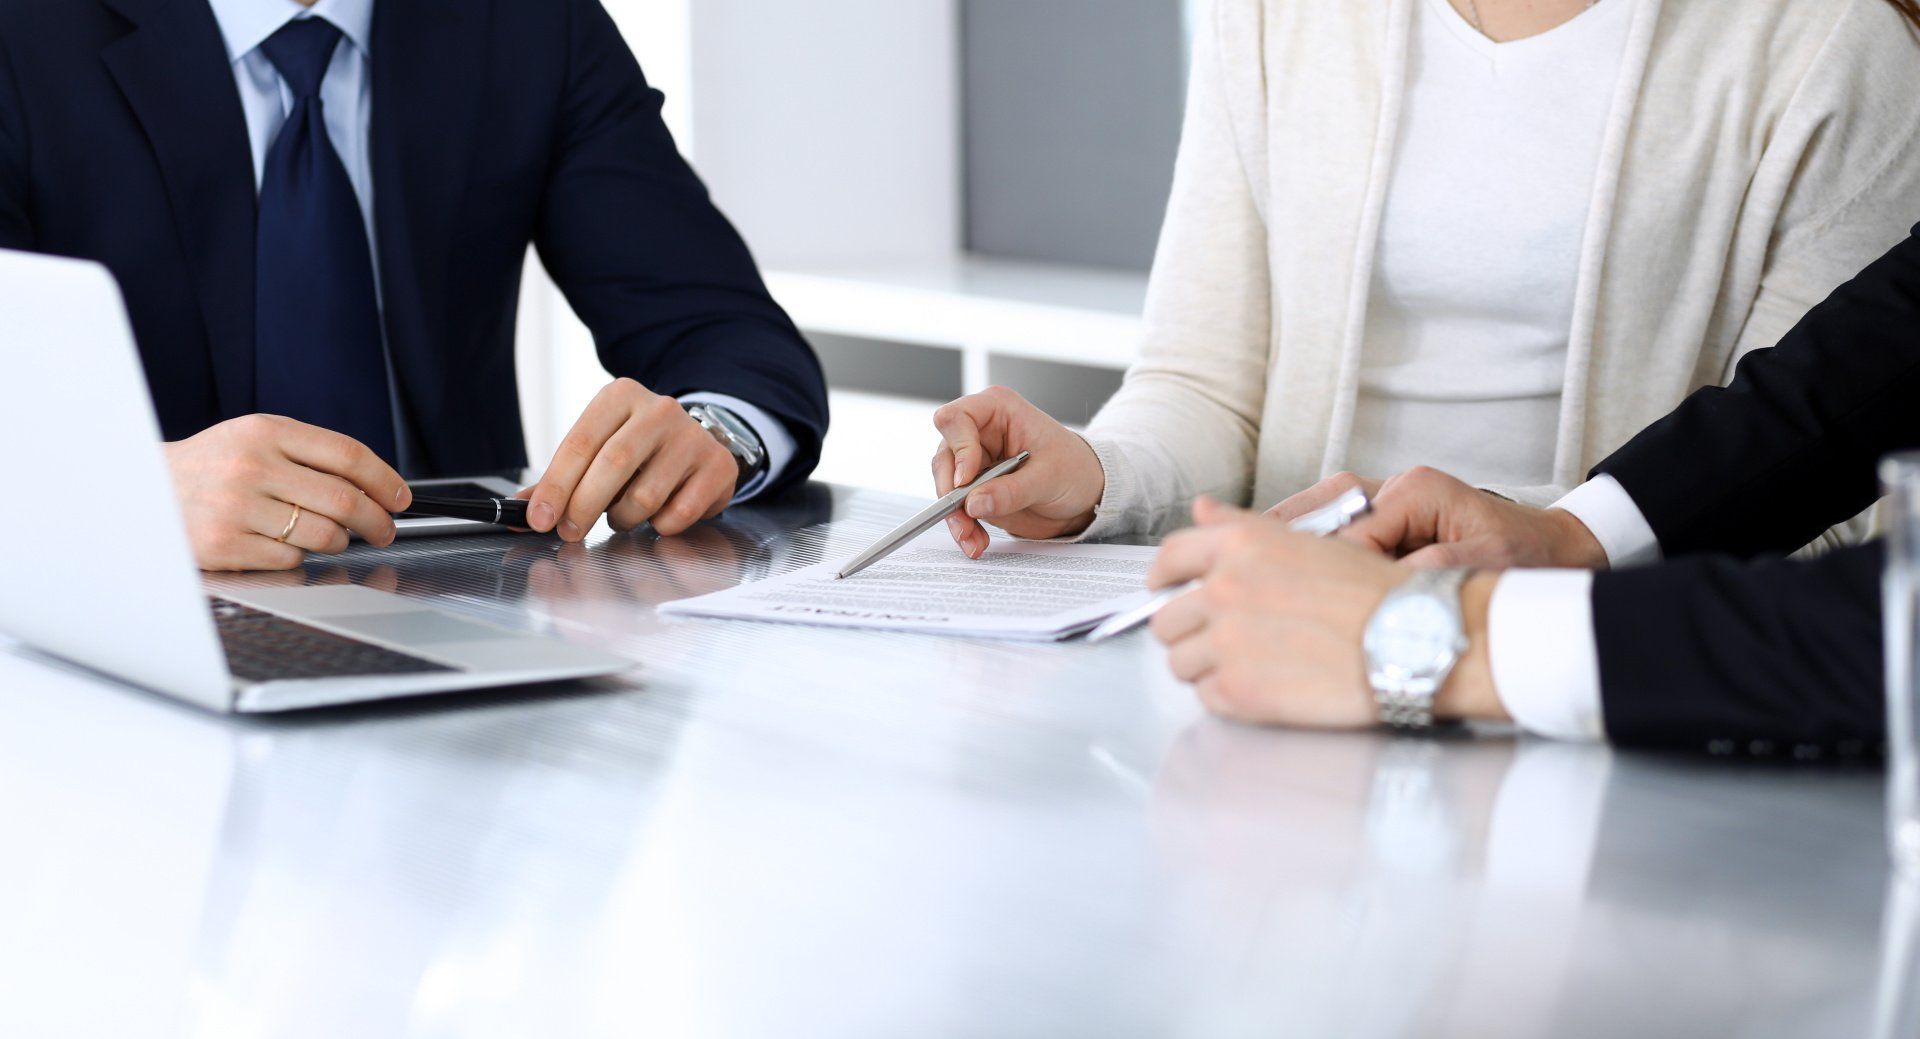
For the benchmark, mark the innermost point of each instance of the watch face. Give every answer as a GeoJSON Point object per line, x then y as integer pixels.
{"type": "Point", "coordinates": [1416, 635]}
{"type": "Point", "coordinates": [733, 423]}
{"type": "Point", "coordinates": [739, 437]}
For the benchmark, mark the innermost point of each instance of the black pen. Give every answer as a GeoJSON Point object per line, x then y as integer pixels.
{"type": "Point", "coordinates": [506, 512]}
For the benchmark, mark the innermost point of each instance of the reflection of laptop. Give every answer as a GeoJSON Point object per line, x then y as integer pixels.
{"type": "Point", "coordinates": [95, 556]}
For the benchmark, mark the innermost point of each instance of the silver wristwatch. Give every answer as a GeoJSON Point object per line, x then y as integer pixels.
{"type": "Point", "coordinates": [735, 435]}
{"type": "Point", "coordinates": [1412, 643]}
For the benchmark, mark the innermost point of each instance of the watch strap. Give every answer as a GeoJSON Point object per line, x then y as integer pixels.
{"type": "Point", "coordinates": [751, 459]}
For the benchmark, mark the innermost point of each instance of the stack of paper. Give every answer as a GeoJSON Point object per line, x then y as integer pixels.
{"type": "Point", "coordinates": [1018, 590]}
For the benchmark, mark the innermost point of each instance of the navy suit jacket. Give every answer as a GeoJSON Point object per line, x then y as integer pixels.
{"type": "Point", "coordinates": [1744, 650]}
{"type": "Point", "coordinates": [496, 123]}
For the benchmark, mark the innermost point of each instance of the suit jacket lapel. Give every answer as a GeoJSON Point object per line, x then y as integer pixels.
{"type": "Point", "coordinates": [428, 59]}
{"type": "Point", "coordinates": [173, 69]}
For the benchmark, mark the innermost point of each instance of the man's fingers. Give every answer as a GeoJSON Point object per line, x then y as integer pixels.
{"type": "Point", "coordinates": [647, 491]}
{"type": "Point", "coordinates": [703, 495]}
{"type": "Point", "coordinates": [332, 498]}
{"type": "Point", "coordinates": [1211, 512]}
{"type": "Point", "coordinates": [1320, 495]}
{"type": "Point", "coordinates": [638, 469]}
{"type": "Point", "coordinates": [1384, 530]}
{"type": "Point", "coordinates": [961, 431]}
{"type": "Point", "coordinates": [1192, 659]}
{"type": "Point", "coordinates": [342, 456]}
{"type": "Point", "coordinates": [1182, 618]}
{"type": "Point", "coordinates": [1440, 557]}
{"type": "Point", "coordinates": [604, 417]}
{"type": "Point", "coordinates": [260, 552]}
{"type": "Point", "coordinates": [1185, 556]}
{"type": "Point", "coordinates": [312, 532]}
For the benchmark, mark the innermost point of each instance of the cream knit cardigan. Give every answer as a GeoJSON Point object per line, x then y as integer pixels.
{"type": "Point", "coordinates": [1758, 154]}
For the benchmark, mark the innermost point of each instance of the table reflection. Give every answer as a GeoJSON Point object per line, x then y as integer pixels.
{"type": "Point", "coordinates": [1525, 882]}
{"type": "Point", "coordinates": [777, 830]}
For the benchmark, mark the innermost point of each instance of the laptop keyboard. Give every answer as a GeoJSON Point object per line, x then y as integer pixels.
{"type": "Point", "coordinates": [265, 647]}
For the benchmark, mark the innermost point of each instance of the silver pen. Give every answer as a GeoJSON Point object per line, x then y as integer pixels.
{"type": "Point", "coordinates": [924, 520]}
{"type": "Point", "coordinates": [1350, 506]}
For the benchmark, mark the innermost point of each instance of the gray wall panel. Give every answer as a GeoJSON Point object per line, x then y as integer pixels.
{"type": "Point", "coordinates": [1072, 118]}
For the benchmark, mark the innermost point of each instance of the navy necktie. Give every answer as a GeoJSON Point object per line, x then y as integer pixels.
{"type": "Point", "coordinates": [317, 349]}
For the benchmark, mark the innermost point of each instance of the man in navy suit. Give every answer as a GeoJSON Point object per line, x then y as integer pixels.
{"type": "Point", "coordinates": [318, 212]}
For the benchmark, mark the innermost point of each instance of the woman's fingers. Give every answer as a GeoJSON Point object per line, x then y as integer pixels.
{"type": "Point", "coordinates": [967, 532]}
{"type": "Point", "coordinates": [942, 471]}
{"type": "Point", "coordinates": [960, 431]}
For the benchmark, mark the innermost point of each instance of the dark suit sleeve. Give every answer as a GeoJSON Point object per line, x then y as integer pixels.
{"type": "Point", "coordinates": [663, 280]}
{"type": "Point", "coordinates": [16, 231]}
{"type": "Point", "coordinates": [1714, 652]}
{"type": "Point", "coordinates": [1789, 448]}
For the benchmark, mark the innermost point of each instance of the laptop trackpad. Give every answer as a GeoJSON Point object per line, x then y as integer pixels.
{"type": "Point", "coordinates": [416, 628]}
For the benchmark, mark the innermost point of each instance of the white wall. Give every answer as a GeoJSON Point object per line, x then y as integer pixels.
{"type": "Point", "coordinates": [827, 130]}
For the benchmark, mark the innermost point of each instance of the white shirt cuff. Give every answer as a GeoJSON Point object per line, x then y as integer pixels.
{"type": "Point", "coordinates": [773, 436]}
{"type": "Point", "coordinates": [1616, 522]}
{"type": "Point", "coordinates": [1546, 668]}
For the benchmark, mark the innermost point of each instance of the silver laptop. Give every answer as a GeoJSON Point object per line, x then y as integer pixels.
{"type": "Point", "coordinates": [94, 560]}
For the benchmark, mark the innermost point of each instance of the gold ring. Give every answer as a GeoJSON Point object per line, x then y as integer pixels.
{"type": "Point", "coordinates": [291, 523]}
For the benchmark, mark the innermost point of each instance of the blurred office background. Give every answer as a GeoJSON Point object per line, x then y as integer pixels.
{"type": "Point", "coordinates": [944, 194]}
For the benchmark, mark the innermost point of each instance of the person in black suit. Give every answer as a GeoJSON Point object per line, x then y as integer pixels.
{"type": "Point", "coordinates": [1724, 644]}
{"type": "Point", "coordinates": [319, 217]}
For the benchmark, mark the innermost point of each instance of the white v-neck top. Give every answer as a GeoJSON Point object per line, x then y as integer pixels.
{"type": "Point", "coordinates": [1465, 350]}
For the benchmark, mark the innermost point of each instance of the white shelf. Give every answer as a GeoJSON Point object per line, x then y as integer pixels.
{"type": "Point", "coordinates": [1072, 315]}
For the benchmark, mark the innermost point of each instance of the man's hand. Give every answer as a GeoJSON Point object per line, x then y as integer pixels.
{"type": "Point", "coordinates": [1273, 635]}
{"type": "Point", "coordinates": [1434, 520]}
{"type": "Point", "coordinates": [636, 457]}
{"type": "Point", "coordinates": [1323, 494]}
{"type": "Point", "coordinates": [238, 483]}
{"type": "Point", "coordinates": [1052, 495]}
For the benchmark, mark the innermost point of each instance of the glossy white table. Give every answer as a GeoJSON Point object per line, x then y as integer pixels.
{"type": "Point", "coordinates": [793, 832]}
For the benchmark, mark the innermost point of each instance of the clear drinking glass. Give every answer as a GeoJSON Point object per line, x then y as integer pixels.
{"type": "Point", "coordinates": [1900, 482]}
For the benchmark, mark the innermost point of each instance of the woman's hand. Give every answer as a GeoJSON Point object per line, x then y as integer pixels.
{"type": "Point", "coordinates": [1053, 495]}
{"type": "Point", "coordinates": [239, 482]}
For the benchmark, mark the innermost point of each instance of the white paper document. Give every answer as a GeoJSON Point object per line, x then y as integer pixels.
{"type": "Point", "coordinates": [1018, 590]}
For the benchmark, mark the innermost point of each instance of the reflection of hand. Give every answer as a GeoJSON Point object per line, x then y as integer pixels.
{"type": "Point", "coordinates": [636, 456]}
{"type": "Point", "coordinates": [383, 578]}
{"type": "Point", "coordinates": [239, 484]}
{"type": "Point", "coordinates": [1052, 495]}
{"type": "Point", "coordinates": [636, 570]}
{"type": "Point", "coordinates": [1435, 520]}
{"type": "Point", "coordinates": [1274, 633]}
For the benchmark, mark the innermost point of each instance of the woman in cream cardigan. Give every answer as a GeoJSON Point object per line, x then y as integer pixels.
{"type": "Point", "coordinates": [1497, 237]}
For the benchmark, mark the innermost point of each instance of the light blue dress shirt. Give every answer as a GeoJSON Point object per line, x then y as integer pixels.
{"type": "Point", "coordinates": [346, 101]}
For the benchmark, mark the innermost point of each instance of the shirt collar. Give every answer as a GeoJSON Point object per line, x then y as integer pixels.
{"type": "Point", "coordinates": [246, 24]}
